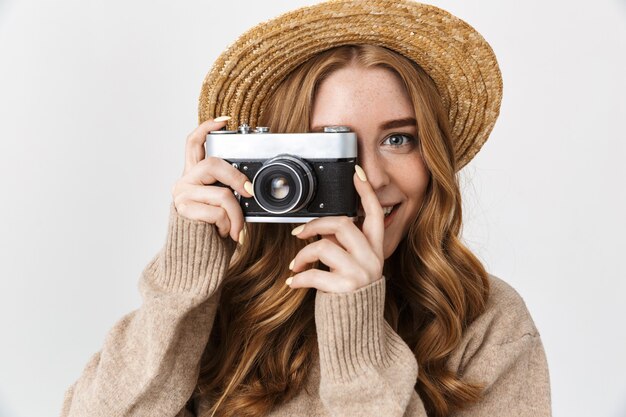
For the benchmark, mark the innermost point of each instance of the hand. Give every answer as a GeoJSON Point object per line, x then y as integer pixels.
{"type": "Point", "coordinates": [212, 204]}
{"type": "Point", "coordinates": [355, 257]}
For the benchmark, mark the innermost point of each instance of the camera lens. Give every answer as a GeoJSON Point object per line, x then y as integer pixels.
{"type": "Point", "coordinates": [279, 188]}
{"type": "Point", "coordinates": [284, 184]}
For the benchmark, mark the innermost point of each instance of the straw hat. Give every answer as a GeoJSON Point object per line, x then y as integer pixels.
{"type": "Point", "coordinates": [457, 58]}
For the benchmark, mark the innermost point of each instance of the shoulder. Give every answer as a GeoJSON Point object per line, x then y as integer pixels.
{"type": "Point", "coordinates": [506, 320]}
{"type": "Point", "coordinates": [506, 313]}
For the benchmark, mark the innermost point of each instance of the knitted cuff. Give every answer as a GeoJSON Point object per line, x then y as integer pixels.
{"type": "Point", "coordinates": [195, 256]}
{"type": "Point", "coordinates": [352, 334]}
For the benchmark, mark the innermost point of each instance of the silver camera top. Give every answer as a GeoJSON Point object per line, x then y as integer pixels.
{"type": "Point", "coordinates": [245, 129]}
{"type": "Point", "coordinates": [259, 143]}
{"type": "Point", "coordinates": [242, 129]}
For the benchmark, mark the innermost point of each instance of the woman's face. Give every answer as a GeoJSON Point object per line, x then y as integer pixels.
{"type": "Point", "coordinates": [375, 105]}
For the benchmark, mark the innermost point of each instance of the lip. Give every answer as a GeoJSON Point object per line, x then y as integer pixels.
{"type": "Point", "coordinates": [387, 220]}
{"type": "Point", "coordinates": [361, 212]}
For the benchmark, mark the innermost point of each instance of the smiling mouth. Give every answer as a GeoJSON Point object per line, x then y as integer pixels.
{"type": "Point", "coordinates": [361, 212]}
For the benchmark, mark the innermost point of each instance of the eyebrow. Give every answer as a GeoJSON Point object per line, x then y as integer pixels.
{"type": "Point", "coordinates": [391, 124]}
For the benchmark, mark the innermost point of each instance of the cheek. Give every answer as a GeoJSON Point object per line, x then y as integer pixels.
{"type": "Point", "coordinates": [419, 180]}
{"type": "Point", "coordinates": [413, 185]}
{"type": "Point", "coordinates": [419, 189]}
{"type": "Point", "coordinates": [414, 188]}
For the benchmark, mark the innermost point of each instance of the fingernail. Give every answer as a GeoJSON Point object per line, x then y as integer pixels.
{"type": "Point", "coordinates": [221, 119]}
{"type": "Point", "coordinates": [248, 187]}
{"type": "Point", "coordinates": [241, 237]}
{"type": "Point", "coordinates": [292, 264]}
{"type": "Point", "coordinates": [360, 173]}
{"type": "Point", "coordinates": [297, 229]}
{"type": "Point", "coordinates": [288, 281]}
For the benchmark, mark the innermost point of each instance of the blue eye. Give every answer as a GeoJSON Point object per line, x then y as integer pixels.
{"type": "Point", "coordinates": [396, 140]}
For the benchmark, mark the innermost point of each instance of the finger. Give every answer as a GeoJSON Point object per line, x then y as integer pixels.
{"type": "Point", "coordinates": [346, 232]}
{"type": "Point", "coordinates": [216, 196]}
{"type": "Point", "coordinates": [329, 254]}
{"type": "Point", "coordinates": [333, 239]}
{"type": "Point", "coordinates": [206, 213]}
{"type": "Point", "coordinates": [323, 281]}
{"type": "Point", "coordinates": [194, 147]}
{"type": "Point", "coordinates": [212, 169]}
{"type": "Point", "coordinates": [374, 223]}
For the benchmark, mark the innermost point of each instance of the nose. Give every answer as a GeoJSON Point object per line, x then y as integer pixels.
{"type": "Point", "coordinates": [374, 168]}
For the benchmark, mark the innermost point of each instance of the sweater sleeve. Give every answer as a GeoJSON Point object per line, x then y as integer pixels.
{"type": "Point", "coordinates": [366, 368]}
{"type": "Point", "coordinates": [150, 360]}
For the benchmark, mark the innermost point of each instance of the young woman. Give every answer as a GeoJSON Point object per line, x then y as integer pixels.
{"type": "Point", "coordinates": [387, 316]}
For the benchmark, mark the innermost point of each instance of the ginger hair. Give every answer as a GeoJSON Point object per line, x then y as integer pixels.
{"type": "Point", "coordinates": [263, 339]}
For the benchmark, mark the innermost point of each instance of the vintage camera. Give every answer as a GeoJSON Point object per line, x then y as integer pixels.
{"type": "Point", "coordinates": [296, 176]}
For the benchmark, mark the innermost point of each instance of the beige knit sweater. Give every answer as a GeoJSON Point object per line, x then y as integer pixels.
{"type": "Point", "coordinates": [149, 363]}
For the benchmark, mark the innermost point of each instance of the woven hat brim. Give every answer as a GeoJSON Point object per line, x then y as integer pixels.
{"type": "Point", "coordinates": [457, 58]}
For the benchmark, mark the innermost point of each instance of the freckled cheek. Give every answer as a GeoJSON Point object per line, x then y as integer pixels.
{"type": "Point", "coordinates": [419, 188]}
{"type": "Point", "coordinates": [416, 193]}
{"type": "Point", "coordinates": [421, 180]}
{"type": "Point", "coordinates": [419, 194]}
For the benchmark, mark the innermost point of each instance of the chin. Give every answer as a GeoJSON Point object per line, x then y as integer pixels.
{"type": "Point", "coordinates": [389, 249]}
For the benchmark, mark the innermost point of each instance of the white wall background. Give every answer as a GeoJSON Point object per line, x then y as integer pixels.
{"type": "Point", "coordinates": [97, 98]}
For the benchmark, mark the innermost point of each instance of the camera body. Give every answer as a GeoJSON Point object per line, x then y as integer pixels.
{"type": "Point", "coordinates": [296, 177]}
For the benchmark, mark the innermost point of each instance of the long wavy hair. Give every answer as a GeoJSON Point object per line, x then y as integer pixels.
{"type": "Point", "coordinates": [263, 340]}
